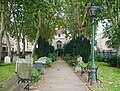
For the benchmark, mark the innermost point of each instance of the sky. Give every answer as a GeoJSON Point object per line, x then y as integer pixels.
{"type": "Point", "coordinates": [100, 28]}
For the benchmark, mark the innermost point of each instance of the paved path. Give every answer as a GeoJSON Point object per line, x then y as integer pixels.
{"type": "Point", "coordinates": [61, 77]}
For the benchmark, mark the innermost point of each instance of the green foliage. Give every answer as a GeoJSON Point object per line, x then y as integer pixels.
{"type": "Point", "coordinates": [49, 62]}
{"type": "Point", "coordinates": [112, 60]}
{"type": "Point", "coordinates": [43, 48]}
{"type": "Point", "coordinates": [118, 62]}
{"type": "Point", "coordinates": [3, 55]}
{"type": "Point", "coordinates": [1, 63]}
{"type": "Point", "coordinates": [69, 59]}
{"type": "Point", "coordinates": [97, 57]}
{"type": "Point", "coordinates": [53, 56]}
{"type": "Point", "coordinates": [71, 62]}
{"type": "Point", "coordinates": [35, 75]}
{"type": "Point", "coordinates": [79, 46]}
{"type": "Point", "coordinates": [112, 33]}
{"type": "Point", "coordinates": [35, 58]}
{"type": "Point", "coordinates": [60, 50]}
{"type": "Point", "coordinates": [81, 65]}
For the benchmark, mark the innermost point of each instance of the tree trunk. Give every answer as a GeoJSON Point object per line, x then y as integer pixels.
{"type": "Point", "coordinates": [2, 32]}
{"type": "Point", "coordinates": [8, 45]}
{"type": "Point", "coordinates": [18, 45]}
{"type": "Point", "coordinates": [1, 45]}
{"type": "Point", "coordinates": [23, 41]}
{"type": "Point", "coordinates": [37, 35]}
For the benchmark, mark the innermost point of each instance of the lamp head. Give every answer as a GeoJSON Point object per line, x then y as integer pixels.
{"type": "Point", "coordinates": [92, 9]}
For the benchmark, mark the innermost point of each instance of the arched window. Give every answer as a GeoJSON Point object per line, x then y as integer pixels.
{"type": "Point", "coordinates": [58, 35]}
{"type": "Point", "coordinates": [59, 44]}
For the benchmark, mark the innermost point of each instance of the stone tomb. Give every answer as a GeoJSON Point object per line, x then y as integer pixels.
{"type": "Point", "coordinates": [7, 60]}
{"type": "Point", "coordinates": [42, 60]}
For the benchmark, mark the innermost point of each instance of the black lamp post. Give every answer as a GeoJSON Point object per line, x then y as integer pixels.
{"type": "Point", "coordinates": [92, 10]}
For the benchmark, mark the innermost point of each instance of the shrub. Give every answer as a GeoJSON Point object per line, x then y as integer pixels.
{"type": "Point", "coordinates": [70, 59]}
{"type": "Point", "coordinates": [67, 57]}
{"type": "Point", "coordinates": [112, 60]}
{"type": "Point", "coordinates": [4, 54]}
{"type": "Point", "coordinates": [53, 56]}
{"type": "Point", "coordinates": [97, 57]}
{"type": "Point", "coordinates": [44, 48]}
{"type": "Point", "coordinates": [49, 62]}
{"type": "Point", "coordinates": [80, 66]}
{"type": "Point", "coordinates": [71, 62]}
{"type": "Point", "coordinates": [34, 58]}
{"type": "Point", "coordinates": [35, 76]}
{"type": "Point", "coordinates": [79, 46]}
{"type": "Point", "coordinates": [118, 61]}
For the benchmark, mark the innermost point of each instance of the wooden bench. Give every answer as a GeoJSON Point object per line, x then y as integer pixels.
{"type": "Point", "coordinates": [9, 83]}
{"type": "Point", "coordinates": [14, 84]}
{"type": "Point", "coordinates": [20, 87]}
{"type": "Point", "coordinates": [87, 70]}
{"type": "Point", "coordinates": [22, 84]}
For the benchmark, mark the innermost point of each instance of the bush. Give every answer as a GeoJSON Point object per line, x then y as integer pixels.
{"type": "Point", "coordinates": [53, 56]}
{"type": "Point", "coordinates": [97, 57]}
{"type": "Point", "coordinates": [44, 48]}
{"type": "Point", "coordinates": [49, 62]}
{"type": "Point", "coordinates": [35, 76]}
{"type": "Point", "coordinates": [112, 60]}
{"type": "Point", "coordinates": [79, 46]}
{"type": "Point", "coordinates": [70, 59]}
{"type": "Point", "coordinates": [34, 58]}
{"type": "Point", "coordinates": [80, 66]}
{"type": "Point", "coordinates": [4, 54]}
{"type": "Point", "coordinates": [67, 57]}
{"type": "Point", "coordinates": [71, 62]}
{"type": "Point", "coordinates": [118, 61]}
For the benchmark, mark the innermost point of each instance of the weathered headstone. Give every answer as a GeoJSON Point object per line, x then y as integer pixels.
{"type": "Point", "coordinates": [7, 60]}
{"type": "Point", "coordinates": [79, 59]}
{"type": "Point", "coordinates": [23, 69]}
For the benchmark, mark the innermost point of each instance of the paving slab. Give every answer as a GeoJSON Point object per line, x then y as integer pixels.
{"type": "Point", "coordinates": [61, 77]}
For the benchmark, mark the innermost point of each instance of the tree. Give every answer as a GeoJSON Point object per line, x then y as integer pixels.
{"type": "Point", "coordinates": [2, 31]}
{"type": "Point", "coordinates": [79, 46]}
{"type": "Point", "coordinates": [112, 30]}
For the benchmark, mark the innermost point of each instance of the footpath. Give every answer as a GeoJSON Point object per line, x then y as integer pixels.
{"type": "Point", "coordinates": [61, 77]}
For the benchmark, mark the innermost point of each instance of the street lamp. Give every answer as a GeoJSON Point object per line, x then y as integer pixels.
{"type": "Point", "coordinates": [92, 10]}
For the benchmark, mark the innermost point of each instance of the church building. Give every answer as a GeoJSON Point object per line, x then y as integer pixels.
{"type": "Point", "coordinates": [59, 39]}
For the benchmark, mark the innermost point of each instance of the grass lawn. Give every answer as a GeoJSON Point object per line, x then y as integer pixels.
{"type": "Point", "coordinates": [6, 71]}
{"type": "Point", "coordinates": [110, 77]}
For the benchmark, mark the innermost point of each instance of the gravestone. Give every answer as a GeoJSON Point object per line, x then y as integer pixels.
{"type": "Point", "coordinates": [79, 59]}
{"type": "Point", "coordinates": [7, 60]}
{"type": "Point", "coordinates": [23, 69]}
